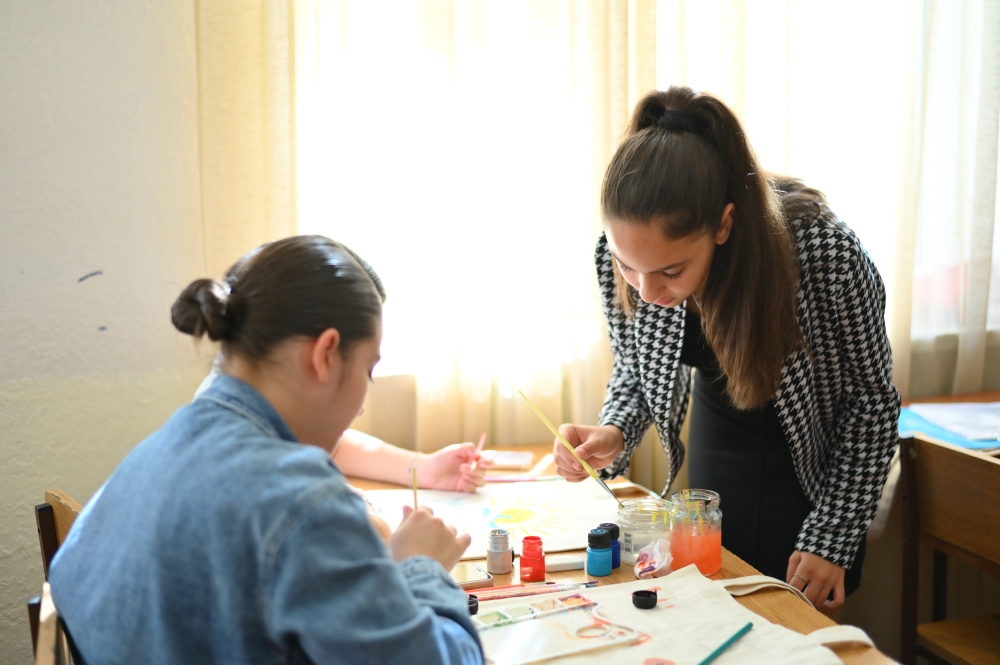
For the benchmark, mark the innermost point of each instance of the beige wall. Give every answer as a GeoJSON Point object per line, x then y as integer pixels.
{"type": "Point", "coordinates": [104, 137]}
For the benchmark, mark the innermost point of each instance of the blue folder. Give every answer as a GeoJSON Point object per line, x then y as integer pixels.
{"type": "Point", "coordinates": [911, 424]}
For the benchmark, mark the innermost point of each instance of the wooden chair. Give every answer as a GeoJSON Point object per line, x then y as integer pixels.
{"type": "Point", "coordinates": [951, 502]}
{"type": "Point", "coordinates": [53, 645]}
{"type": "Point", "coordinates": [53, 519]}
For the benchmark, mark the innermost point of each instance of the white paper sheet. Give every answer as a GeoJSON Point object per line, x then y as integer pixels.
{"type": "Point", "coordinates": [561, 513]}
{"type": "Point", "coordinates": [976, 421]}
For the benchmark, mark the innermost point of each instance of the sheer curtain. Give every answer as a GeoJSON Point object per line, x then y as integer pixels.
{"type": "Point", "coordinates": [895, 118]}
{"type": "Point", "coordinates": [458, 146]}
{"type": "Point", "coordinates": [952, 304]}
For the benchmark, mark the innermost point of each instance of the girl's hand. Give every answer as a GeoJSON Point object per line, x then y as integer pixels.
{"type": "Point", "coordinates": [420, 533]}
{"type": "Point", "coordinates": [599, 446]}
{"type": "Point", "coordinates": [816, 578]}
{"type": "Point", "coordinates": [451, 469]}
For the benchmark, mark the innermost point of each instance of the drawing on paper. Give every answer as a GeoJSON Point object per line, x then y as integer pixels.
{"type": "Point", "coordinates": [560, 512]}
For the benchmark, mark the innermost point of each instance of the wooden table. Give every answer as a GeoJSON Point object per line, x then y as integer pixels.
{"type": "Point", "coordinates": [775, 605]}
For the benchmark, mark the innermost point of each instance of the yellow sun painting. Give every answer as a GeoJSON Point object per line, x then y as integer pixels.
{"type": "Point", "coordinates": [524, 515]}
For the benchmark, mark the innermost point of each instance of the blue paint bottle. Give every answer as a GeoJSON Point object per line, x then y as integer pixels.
{"type": "Point", "coordinates": [599, 552]}
{"type": "Point", "coordinates": [616, 546]}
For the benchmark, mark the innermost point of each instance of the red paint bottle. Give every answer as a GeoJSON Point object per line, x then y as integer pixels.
{"type": "Point", "coordinates": [532, 560]}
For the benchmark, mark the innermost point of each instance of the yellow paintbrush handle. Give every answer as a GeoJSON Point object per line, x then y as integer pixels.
{"type": "Point", "coordinates": [586, 467]}
{"type": "Point", "coordinates": [413, 472]}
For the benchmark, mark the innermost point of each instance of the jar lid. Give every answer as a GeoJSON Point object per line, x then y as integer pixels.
{"type": "Point", "coordinates": [612, 529]}
{"type": "Point", "coordinates": [599, 539]}
{"type": "Point", "coordinates": [644, 599]}
{"type": "Point", "coordinates": [499, 541]}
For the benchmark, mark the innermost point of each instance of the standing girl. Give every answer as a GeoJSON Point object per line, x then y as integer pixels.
{"type": "Point", "coordinates": [705, 263]}
{"type": "Point", "coordinates": [229, 535]}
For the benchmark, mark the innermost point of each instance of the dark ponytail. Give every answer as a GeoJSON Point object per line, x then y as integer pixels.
{"type": "Point", "coordinates": [298, 286]}
{"type": "Point", "coordinates": [679, 170]}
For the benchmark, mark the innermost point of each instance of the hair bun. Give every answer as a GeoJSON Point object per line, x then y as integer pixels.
{"type": "Point", "coordinates": [206, 307]}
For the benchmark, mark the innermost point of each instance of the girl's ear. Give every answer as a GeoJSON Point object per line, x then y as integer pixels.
{"type": "Point", "coordinates": [726, 225]}
{"type": "Point", "coordinates": [324, 357]}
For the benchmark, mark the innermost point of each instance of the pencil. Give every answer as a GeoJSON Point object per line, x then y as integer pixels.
{"type": "Point", "coordinates": [586, 467]}
{"type": "Point", "coordinates": [414, 470]}
{"type": "Point", "coordinates": [728, 643]}
{"type": "Point", "coordinates": [479, 449]}
{"type": "Point", "coordinates": [522, 478]}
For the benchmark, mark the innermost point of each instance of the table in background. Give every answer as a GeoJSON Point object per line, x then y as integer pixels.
{"type": "Point", "coordinates": [775, 605]}
{"type": "Point", "coordinates": [986, 396]}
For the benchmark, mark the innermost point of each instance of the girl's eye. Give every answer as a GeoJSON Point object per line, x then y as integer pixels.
{"type": "Point", "coordinates": [622, 267]}
{"type": "Point", "coordinates": [673, 276]}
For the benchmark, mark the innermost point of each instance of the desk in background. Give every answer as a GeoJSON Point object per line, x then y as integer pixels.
{"type": "Point", "coordinates": [775, 605]}
{"type": "Point", "coordinates": [940, 435]}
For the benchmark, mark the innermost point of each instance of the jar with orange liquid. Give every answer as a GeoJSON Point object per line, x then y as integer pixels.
{"type": "Point", "coordinates": [696, 530]}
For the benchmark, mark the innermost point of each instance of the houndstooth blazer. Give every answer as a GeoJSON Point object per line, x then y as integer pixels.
{"type": "Point", "coordinates": [838, 410]}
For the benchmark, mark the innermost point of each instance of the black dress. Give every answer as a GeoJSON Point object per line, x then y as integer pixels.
{"type": "Point", "coordinates": [744, 457]}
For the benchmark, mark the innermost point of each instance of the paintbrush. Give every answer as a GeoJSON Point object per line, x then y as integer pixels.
{"type": "Point", "coordinates": [572, 451]}
{"type": "Point", "coordinates": [414, 470]}
{"type": "Point", "coordinates": [507, 587]}
{"type": "Point", "coordinates": [521, 593]}
{"type": "Point", "coordinates": [479, 449]}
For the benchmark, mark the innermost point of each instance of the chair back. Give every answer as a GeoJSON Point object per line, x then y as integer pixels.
{"type": "Point", "coordinates": [958, 501]}
{"type": "Point", "coordinates": [54, 518]}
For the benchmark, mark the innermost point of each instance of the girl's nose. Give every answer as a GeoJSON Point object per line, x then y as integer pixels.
{"type": "Point", "coordinates": [649, 288]}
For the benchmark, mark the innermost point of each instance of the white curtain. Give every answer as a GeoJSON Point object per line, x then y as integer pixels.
{"type": "Point", "coordinates": [458, 145]}
{"type": "Point", "coordinates": [949, 289]}
{"type": "Point", "coordinates": [890, 108]}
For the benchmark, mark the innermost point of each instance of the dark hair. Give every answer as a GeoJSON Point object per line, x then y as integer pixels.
{"type": "Point", "coordinates": [679, 171]}
{"type": "Point", "coordinates": [301, 285]}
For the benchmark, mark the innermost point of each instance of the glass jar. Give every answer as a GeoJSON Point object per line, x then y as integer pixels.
{"type": "Point", "coordinates": [696, 530]}
{"type": "Point", "coordinates": [641, 522]}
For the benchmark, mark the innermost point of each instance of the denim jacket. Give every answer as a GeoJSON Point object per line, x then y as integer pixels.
{"type": "Point", "coordinates": [221, 539]}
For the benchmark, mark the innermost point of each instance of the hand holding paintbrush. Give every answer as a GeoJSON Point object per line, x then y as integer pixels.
{"type": "Point", "coordinates": [574, 462]}
{"type": "Point", "coordinates": [479, 450]}
{"type": "Point", "coordinates": [458, 467]}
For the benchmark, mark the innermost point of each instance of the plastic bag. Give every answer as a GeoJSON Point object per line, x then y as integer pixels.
{"type": "Point", "coordinates": [653, 560]}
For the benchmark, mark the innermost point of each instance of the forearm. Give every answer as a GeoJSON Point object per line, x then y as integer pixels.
{"type": "Point", "coordinates": [431, 586]}
{"type": "Point", "coordinates": [853, 485]}
{"type": "Point", "coordinates": [368, 457]}
{"type": "Point", "coordinates": [624, 408]}
{"type": "Point", "coordinates": [385, 612]}
{"type": "Point", "coordinates": [865, 429]}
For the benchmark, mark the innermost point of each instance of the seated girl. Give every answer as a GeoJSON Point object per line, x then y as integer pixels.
{"type": "Point", "coordinates": [230, 535]}
{"type": "Point", "coordinates": [358, 454]}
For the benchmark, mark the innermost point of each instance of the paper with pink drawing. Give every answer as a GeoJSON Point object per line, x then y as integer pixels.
{"type": "Point", "coordinates": [694, 615]}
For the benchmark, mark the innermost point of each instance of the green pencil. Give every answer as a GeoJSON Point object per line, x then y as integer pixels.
{"type": "Point", "coordinates": [728, 643]}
